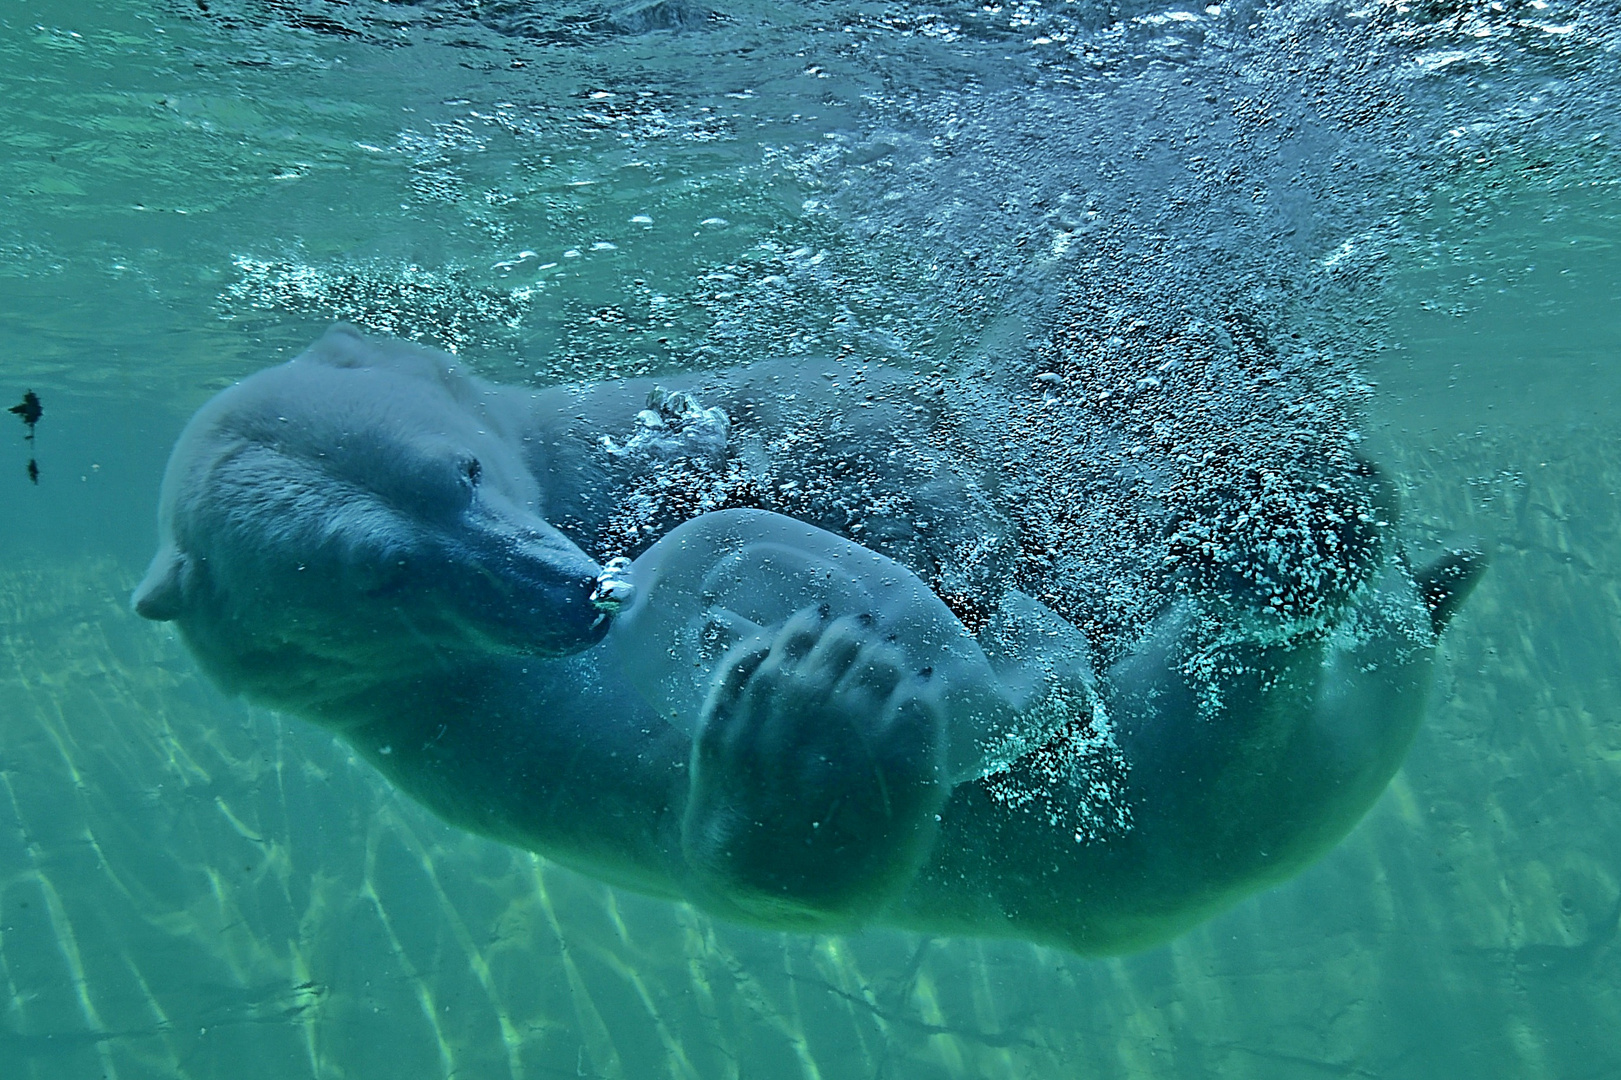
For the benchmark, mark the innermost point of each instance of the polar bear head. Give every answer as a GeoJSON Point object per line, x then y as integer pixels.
{"type": "Point", "coordinates": [355, 514]}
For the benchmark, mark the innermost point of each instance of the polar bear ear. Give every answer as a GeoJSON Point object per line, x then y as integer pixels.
{"type": "Point", "coordinates": [342, 346]}
{"type": "Point", "coordinates": [161, 596]}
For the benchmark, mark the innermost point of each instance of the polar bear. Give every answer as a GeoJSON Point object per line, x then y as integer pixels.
{"type": "Point", "coordinates": [576, 620]}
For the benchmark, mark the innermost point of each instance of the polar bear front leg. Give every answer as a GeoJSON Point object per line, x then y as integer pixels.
{"type": "Point", "coordinates": [818, 773]}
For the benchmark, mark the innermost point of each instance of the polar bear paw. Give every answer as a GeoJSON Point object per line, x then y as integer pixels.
{"type": "Point", "coordinates": [818, 772]}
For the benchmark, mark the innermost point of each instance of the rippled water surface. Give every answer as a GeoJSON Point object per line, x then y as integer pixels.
{"type": "Point", "coordinates": [1383, 229]}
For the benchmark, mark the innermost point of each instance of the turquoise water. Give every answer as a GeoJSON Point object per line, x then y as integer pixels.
{"type": "Point", "coordinates": [1424, 194]}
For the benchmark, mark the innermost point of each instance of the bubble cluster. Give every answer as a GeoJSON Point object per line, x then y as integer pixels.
{"type": "Point", "coordinates": [1077, 781]}
{"type": "Point", "coordinates": [447, 306]}
{"type": "Point", "coordinates": [878, 460]}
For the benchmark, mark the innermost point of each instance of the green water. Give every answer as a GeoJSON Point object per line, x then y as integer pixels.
{"type": "Point", "coordinates": [190, 887]}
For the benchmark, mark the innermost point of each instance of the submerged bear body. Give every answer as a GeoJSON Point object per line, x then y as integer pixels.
{"type": "Point", "coordinates": [862, 720]}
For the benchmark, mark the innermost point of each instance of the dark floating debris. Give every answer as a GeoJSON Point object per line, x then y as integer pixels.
{"type": "Point", "coordinates": [30, 410]}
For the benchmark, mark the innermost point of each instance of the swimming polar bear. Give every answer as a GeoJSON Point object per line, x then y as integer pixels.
{"type": "Point", "coordinates": [563, 620]}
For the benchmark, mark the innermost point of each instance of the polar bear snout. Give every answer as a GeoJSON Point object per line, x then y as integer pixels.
{"type": "Point", "coordinates": [525, 590]}
{"type": "Point", "coordinates": [493, 578]}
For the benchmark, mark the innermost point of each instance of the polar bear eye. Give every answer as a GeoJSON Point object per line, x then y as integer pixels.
{"type": "Point", "coordinates": [472, 470]}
